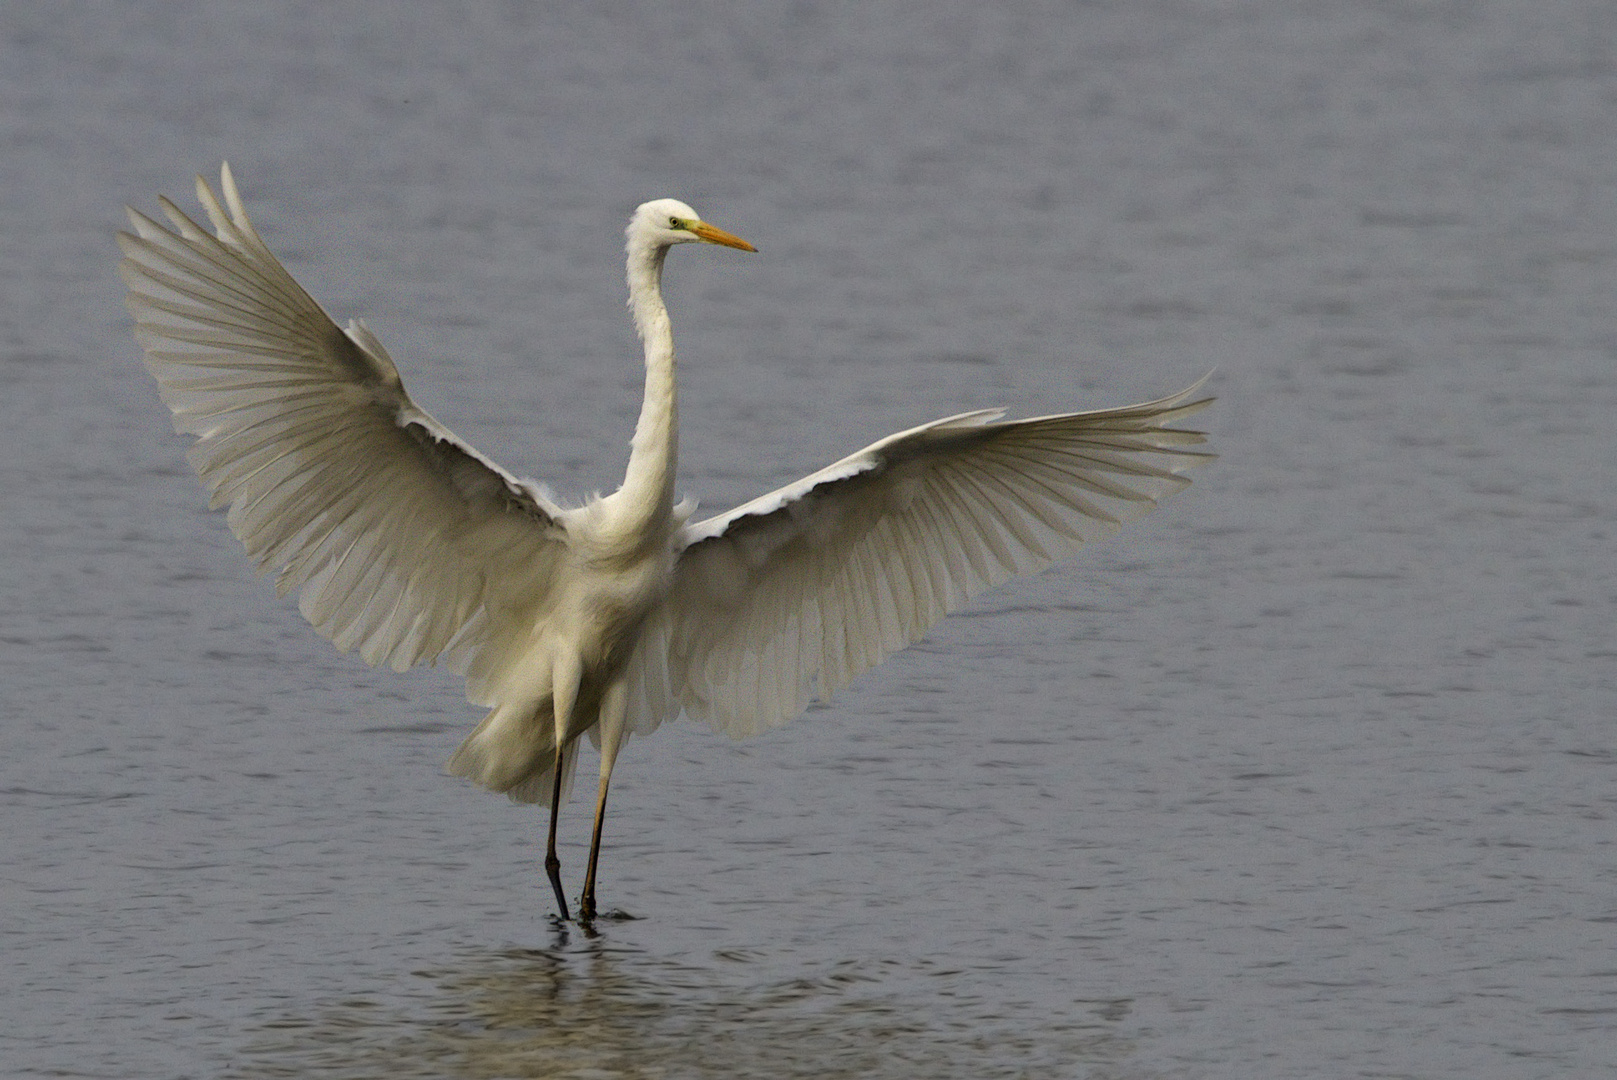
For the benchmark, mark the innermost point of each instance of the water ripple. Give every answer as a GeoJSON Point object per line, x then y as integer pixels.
{"type": "Point", "coordinates": [595, 1012]}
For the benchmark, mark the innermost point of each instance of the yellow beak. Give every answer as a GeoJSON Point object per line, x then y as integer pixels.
{"type": "Point", "coordinates": [715, 235]}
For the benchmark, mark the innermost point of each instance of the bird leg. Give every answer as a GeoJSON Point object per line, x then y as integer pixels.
{"type": "Point", "coordinates": [586, 904]}
{"type": "Point", "coordinates": [564, 680]}
{"type": "Point", "coordinates": [552, 863]}
{"type": "Point", "coordinates": [614, 707]}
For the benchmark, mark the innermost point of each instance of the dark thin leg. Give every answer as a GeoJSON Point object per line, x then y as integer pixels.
{"type": "Point", "coordinates": [586, 906]}
{"type": "Point", "coordinates": [553, 864]}
{"type": "Point", "coordinates": [614, 702]}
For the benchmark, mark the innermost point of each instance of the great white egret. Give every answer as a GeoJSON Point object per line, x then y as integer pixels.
{"type": "Point", "coordinates": [610, 617]}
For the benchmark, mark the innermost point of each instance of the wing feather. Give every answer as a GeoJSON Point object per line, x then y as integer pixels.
{"type": "Point", "coordinates": [398, 534]}
{"type": "Point", "coordinates": [798, 591]}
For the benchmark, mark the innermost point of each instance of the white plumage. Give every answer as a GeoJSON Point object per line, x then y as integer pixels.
{"type": "Point", "coordinates": [407, 544]}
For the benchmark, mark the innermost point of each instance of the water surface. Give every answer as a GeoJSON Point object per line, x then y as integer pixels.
{"type": "Point", "coordinates": [1312, 773]}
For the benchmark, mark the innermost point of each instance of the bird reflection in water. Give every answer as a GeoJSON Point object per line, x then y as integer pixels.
{"type": "Point", "coordinates": [595, 1011]}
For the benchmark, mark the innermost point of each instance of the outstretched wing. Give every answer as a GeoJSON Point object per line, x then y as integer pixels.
{"type": "Point", "coordinates": [795, 593]}
{"type": "Point", "coordinates": [401, 536]}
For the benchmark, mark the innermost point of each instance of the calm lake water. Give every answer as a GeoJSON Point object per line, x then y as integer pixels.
{"type": "Point", "coordinates": [1310, 774]}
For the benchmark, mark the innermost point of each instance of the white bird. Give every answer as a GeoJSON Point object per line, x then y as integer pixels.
{"type": "Point", "coordinates": [610, 617]}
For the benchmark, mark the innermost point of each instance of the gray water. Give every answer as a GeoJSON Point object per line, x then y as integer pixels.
{"type": "Point", "coordinates": [1310, 774]}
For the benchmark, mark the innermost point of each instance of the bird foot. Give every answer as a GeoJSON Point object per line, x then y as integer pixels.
{"type": "Point", "coordinates": [588, 916]}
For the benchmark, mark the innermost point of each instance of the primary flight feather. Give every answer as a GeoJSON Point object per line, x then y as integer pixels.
{"type": "Point", "coordinates": [407, 544]}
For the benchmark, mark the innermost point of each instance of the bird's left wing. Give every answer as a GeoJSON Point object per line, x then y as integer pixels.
{"type": "Point", "coordinates": [401, 536]}
{"type": "Point", "coordinates": [793, 594]}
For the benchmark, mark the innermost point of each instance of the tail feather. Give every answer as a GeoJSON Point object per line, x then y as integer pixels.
{"type": "Point", "coordinates": [514, 751]}
{"type": "Point", "coordinates": [536, 788]}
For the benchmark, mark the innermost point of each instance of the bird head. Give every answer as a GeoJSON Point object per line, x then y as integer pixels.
{"type": "Point", "coordinates": [664, 222]}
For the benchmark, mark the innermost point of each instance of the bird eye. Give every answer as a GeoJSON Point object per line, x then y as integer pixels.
{"type": "Point", "coordinates": [673, 223]}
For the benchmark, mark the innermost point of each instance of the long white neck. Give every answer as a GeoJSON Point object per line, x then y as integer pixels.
{"type": "Point", "coordinates": [645, 501]}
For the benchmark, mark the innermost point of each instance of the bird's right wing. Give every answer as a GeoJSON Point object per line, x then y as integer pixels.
{"type": "Point", "coordinates": [796, 592]}
{"type": "Point", "coordinates": [402, 537]}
